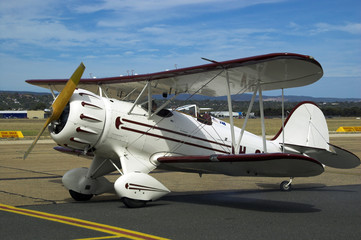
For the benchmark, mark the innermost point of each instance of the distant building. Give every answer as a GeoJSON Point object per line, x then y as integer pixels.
{"type": "Point", "coordinates": [36, 114]}
{"type": "Point", "coordinates": [225, 114]}
{"type": "Point", "coordinates": [13, 114]}
{"type": "Point", "coordinates": [23, 114]}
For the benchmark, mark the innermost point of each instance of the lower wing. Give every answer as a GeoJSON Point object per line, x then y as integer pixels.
{"type": "Point", "coordinates": [263, 165]}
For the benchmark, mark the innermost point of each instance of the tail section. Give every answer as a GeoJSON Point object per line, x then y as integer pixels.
{"type": "Point", "coordinates": [305, 126]}
{"type": "Point", "coordinates": [306, 132]}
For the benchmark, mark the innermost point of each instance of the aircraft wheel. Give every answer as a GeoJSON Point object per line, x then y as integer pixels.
{"type": "Point", "coordinates": [132, 203]}
{"type": "Point", "coordinates": [79, 196]}
{"type": "Point", "coordinates": [285, 186]}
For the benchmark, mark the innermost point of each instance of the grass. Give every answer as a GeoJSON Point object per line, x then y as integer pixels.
{"type": "Point", "coordinates": [31, 127]}
{"type": "Point", "coordinates": [334, 123]}
{"type": "Point", "coordinates": [273, 125]}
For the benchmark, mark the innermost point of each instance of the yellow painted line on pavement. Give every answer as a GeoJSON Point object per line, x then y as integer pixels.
{"type": "Point", "coordinates": [100, 238]}
{"type": "Point", "coordinates": [114, 231]}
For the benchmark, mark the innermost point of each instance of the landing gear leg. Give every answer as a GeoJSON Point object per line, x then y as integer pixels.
{"type": "Point", "coordinates": [286, 185]}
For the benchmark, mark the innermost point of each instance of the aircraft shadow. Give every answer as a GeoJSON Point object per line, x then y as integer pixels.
{"type": "Point", "coordinates": [240, 200]}
{"type": "Point", "coordinates": [231, 199]}
{"type": "Point", "coordinates": [308, 187]}
{"type": "Point", "coordinates": [262, 200]}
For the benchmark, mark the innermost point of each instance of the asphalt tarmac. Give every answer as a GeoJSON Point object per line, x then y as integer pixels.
{"type": "Point", "coordinates": [34, 205]}
{"type": "Point", "coordinates": [306, 213]}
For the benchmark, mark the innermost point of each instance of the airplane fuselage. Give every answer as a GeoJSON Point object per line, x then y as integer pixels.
{"type": "Point", "coordinates": [106, 127]}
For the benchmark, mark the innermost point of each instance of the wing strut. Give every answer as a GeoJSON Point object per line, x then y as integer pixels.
{"type": "Point", "coordinates": [283, 110]}
{"type": "Point", "coordinates": [149, 99]}
{"type": "Point", "coordinates": [262, 118]}
{"type": "Point", "coordinates": [102, 92]}
{"type": "Point", "coordinates": [230, 110]}
{"type": "Point", "coordinates": [246, 119]}
{"type": "Point", "coordinates": [283, 122]}
{"type": "Point", "coordinates": [138, 98]}
{"type": "Point", "coordinates": [52, 91]}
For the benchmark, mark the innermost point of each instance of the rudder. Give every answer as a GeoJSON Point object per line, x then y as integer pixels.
{"type": "Point", "coordinates": [306, 132]}
{"type": "Point", "coordinates": [305, 126]}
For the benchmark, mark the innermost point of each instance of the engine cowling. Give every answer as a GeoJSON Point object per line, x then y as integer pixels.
{"type": "Point", "coordinates": [81, 124]}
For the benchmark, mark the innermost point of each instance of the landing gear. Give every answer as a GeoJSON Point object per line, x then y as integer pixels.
{"type": "Point", "coordinates": [286, 185]}
{"type": "Point", "coordinates": [79, 196]}
{"type": "Point", "coordinates": [132, 203]}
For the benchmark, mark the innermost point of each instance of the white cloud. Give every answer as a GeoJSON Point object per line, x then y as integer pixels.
{"type": "Point", "coordinates": [129, 25]}
{"type": "Point", "coordinates": [160, 5]}
{"type": "Point", "coordinates": [36, 31]}
{"type": "Point", "coordinates": [112, 36]}
{"type": "Point", "coordinates": [352, 28]}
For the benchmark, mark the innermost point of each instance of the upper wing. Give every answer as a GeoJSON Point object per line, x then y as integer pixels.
{"type": "Point", "coordinates": [266, 164]}
{"type": "Point", "coordinates": [271, 71]}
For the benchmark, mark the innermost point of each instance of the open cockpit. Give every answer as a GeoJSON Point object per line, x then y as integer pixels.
{"type": "Point", "coordinates": [194, 111]}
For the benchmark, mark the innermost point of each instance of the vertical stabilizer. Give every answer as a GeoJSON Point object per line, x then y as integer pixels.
{"type": "Point", "coordinates": [305, 126]}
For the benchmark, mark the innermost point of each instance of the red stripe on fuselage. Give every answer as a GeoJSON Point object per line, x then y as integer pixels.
{"type": "Point", "coordinates": [175, 132]}
{"type": "Point", "coordinates": [173, 139]}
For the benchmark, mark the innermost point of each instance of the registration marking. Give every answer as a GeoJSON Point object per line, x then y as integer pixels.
{"type": "Point", "coordinates": [115, 232]}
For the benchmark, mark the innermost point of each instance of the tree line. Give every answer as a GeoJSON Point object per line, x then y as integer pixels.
{"type": "Point", "coordinates": [31, 101]}
{"type": "Point", "coordinates": [274, 109]}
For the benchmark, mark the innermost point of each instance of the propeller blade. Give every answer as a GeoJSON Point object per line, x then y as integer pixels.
{"type": "Point", "coordinates": [37, 138]}
{"type": "Point", "coordinates": [59, 104]}
{"type": "Point", "coordinates": [65, 95]}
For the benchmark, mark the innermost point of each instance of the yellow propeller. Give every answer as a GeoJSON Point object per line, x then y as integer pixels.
{"type": "Point", "coordinates": [60, 102]}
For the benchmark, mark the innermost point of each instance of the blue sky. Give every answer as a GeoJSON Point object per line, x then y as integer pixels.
{"type": "Point", "coordinates": [48, 39]}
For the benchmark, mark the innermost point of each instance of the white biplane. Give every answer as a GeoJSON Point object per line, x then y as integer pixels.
{"type": "Point", "coordinates": [133, 137]}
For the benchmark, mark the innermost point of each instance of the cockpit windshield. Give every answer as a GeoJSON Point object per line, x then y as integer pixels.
{"type": "Point", "coordinates": [191, 110]}
{"type": "Point", "coordinates": [194, 111]}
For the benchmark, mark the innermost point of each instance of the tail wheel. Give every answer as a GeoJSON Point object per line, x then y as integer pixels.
{"type": "Point", "coordinates": [285, 186]}
{"type": "Point", "coordinates": [132, 203]}
{"type": "Point", "coordinates": [80, 196]}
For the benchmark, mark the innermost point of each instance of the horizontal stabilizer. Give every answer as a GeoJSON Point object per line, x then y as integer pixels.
{"type": "Point", "coordinates": [265, 164]}
{"type": "Point", "coordinates": [336, 157]}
